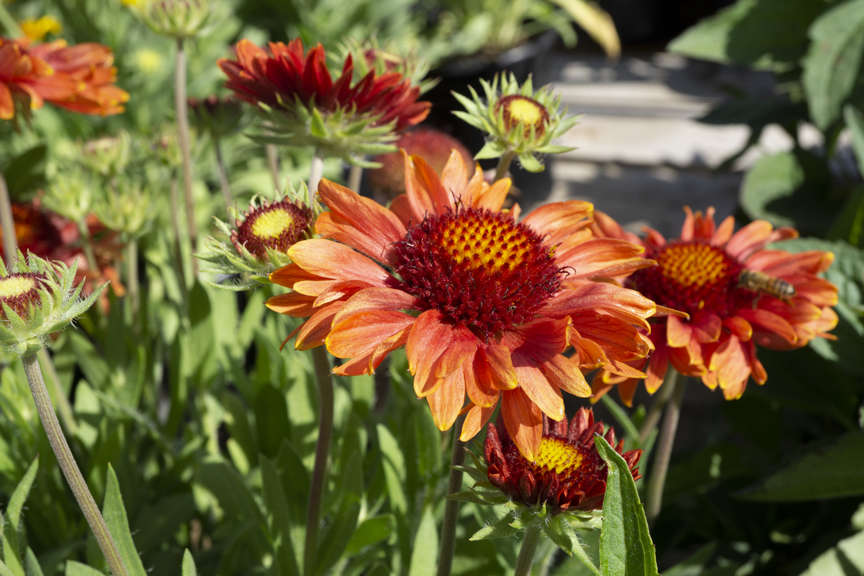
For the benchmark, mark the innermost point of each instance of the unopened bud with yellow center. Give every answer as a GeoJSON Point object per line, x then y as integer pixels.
{"type": "Point", "coordinates": [517, 120]}
{"type": "Point", "coordinates": [36, 300]}
{"type": "Point", "coordinates": [175, 18]}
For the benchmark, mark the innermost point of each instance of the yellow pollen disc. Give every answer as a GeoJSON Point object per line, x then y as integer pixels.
{"type": "Point", "coordinates": [477, 243]}
{"type": "Point", "coordinates": [272, 224]}
{"type": "Point", "coordinates": [558, 456]}
{"type": "Point", "coordinates": [525, 111]}
{"type": "Point", "coordinates": [16, 286]}
{"type": "Point", "coordinates": [693, 265]}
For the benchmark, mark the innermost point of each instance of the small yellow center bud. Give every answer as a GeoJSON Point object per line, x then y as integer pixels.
{"type": "Point", "coordinates": [522, 111]}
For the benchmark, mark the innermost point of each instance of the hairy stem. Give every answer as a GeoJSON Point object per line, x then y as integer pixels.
{"type": "Point", "coordinates": [316, 170]}
{"type": "Point", "coordinates": [664, 450]}
{"type": "Point", "coordinates": [87, 247]}
{"type": "Point", "coordinates": [451, 508]}
{"type": "Point", "coordinates": [503, 167]}
{"type": "Point", "coordinates": [7, 223]}
{"type": "Point", "coordinates": [355, 178]}
{"type": "Point", "coordinates": [178, 240]}
{"type": "Point", "coordinates": [180, 106]}
{"type": "Point", "coordinates": [224, 183]}
{"type": "Point", "coordinates": [322, 448]}
{"type": "Point", "coordinates": [526, 552]}
{"type": "Point", "coordinates": [59, 396]}
{"type": "Point", "coordinates": [69, 467]}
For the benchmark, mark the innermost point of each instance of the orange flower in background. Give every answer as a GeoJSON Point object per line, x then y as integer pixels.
{"type": "Point", "coordinates": [567, 474]}
{"type": "Point", "coordinates": [79, 78]}
{"type": "Point", "coordinates": [283, 75]}
{"type": "Point", "coordinates": [738, 295]}
{"type": "Point", "coordinates": [485, 304]}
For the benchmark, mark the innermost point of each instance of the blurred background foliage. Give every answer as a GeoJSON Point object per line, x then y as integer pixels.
{"type": "Point", "coordinates": [209, 428]}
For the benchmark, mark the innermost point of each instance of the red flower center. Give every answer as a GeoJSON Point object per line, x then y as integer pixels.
{"type": "Point", "coordinates": [479, 268]}
{"type": "Point", "coordinates": [276, 226]}
{"type": "Point", "coordinates": [690, 276]}
{"type": "Point", "coordinates": [19, 292]}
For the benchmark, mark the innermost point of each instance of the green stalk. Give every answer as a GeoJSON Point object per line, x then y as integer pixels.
{"type": "Point", "coordinates": [664, 450]}
{"type": "Point", "coordinates": [7, 222]}
{"type": "Point", "coordinates": [224, 183]}
{"type": "Point", "coordinates": [180, 106]}
{"type": "Point", "coordinates": [9, 24]}
{"type": "Point", "coordinates": [87, 246]}
{"type": "Point", "coordinates": [652, 418]}
{"type": "Point", "coordinates": [355, 178]}
{"type": "Point", "coordinates": [322, 448]}
{"type": "Point", "coordinates": [451, 508]}
{"type": "Point", "coordinates": [503, 167]}
{"type": "Point", "coordinates": [178, 241]}
{"type": "Point", "coordinates": [132, 281]}
{"type": "Point", "coordinates": [526, 553]}
{"type": "Point", "coordinates": [69, 467]}
{"type": "Point", "coordinates": [59, 396]}
{"type": "Point", "coordinates": [316, 170]}
{"type": "Point", "coordinates": [273, 163]}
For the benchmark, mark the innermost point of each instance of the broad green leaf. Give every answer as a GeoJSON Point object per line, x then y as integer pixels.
{"type": "Point", "coordinates": [25, 173]}
{"type": "Point", "coordinates": [424, 556]}
{"type": "Point", "coordinates": [394, 468]}
{"type": "Point", "coordinates": [831, 472]}
{"type": "Point", "coordinates": [5, 571]}
{"type": "Point", "coordinates": [229, 489]}
{"type": "Point", "coordinates": [19, 496]}
{"type": "Point", "coordinates": [695, 564]}
{"type": "Point", "coordinates": [855, 122]}
{"type": "Point", "coordinates": [118, 524]}
{"type": "Point", "coordinates": [77, 569]}
{"type": "Point", "coordinates": [31, 564]}
{"type": "Point", "coordinates": [271, 420]}
{"type": "Point", "coordinates": [189, 564]}
{"type": "Point", "coordinates": [370, 532]}
{"type": "Point", "coordinates": [833, 63]}
{"type": "Point", "coordinates": [626, 548]}
{"type": "Point", "coordinates": [845, 559]}
{"type": "Point", "coordinates": [278, 509]}
{"type": "Point", "coordinates": [737, 34]}
{"type": "Point", "coordinates": [788, 189]}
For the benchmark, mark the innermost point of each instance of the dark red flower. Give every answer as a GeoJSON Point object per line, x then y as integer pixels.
{"type": "Point", "coordinates": [284, 75]}
{"type": "Point", "coordinates": [567, 473]}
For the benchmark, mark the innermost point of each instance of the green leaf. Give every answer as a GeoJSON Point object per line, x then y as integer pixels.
{"type": "Point", "coordinates": [189, 564]}
{"type": "Point", "coordinates": [424, 558]}
{"type": "Point", "coordinates": [5, 571]}
{"type": "Point", "coordinates": [118, 524]}
{"type": "Point", "coordinates": [833, 62]}
{"type": "Point", "coordinates": [271, 420]}
{"type": "Point", "coordinates": [696, 564]}
{"type": "Point", "coordinates": [19, 496]}
{"type": "Point", "coordinates": [394, 468]}
{"type": "Point", "coordinates": [737, 33]}
{"type": "Point", "coordinates": [855, 122]}
{"type": "Point", "coordinates": [278, 509]}
{"type": "Point", "coordinates": [370, 532]}
{"type": "Point", "coordinates": [563, 534]}
{"type": "Point", "coordinates": [847, 558]}
{"type": "Point", "coordinates": [25, 173]}
{"type": "Point", "coordinates": [626, 548]}
{"type": "Point", "coordinates": [832, 472]}
{"type": "Point", "coordinates": [77, 569]}
{"type": "Point", "coordinates": [788, 189]}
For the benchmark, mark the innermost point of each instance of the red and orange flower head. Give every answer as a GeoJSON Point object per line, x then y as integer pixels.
{"type": "Point", "coordinates": [484, 304]}
{"type": "Point", "coordinates": [567, 472]}
{"type": "Point", "coordinates": [738, 294]}
{"type": "Point", "coordinates": [298, 94]}
{"type": "Point", "coordinates": [79, 78]}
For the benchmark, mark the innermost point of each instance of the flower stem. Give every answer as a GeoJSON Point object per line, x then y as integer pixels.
{"type": "Point", "coordinates": [223, 174]}
{"type": "Point", "coordinates": [322, 448]}
{"type": "Point", "coordinates": [87, 247]}
{"type": "Point", "coordinates": [316, 170]}
{"type": "Point", "coordinates": [355, 178]}
{"type": "Point", "coordinates": [68, 466]}
{"type": "Point", "coordinates": [503, 167]}
{"type": "Point", "coordinates": [526, 553]}
{"type": "Point", "coordinates": [273, 162]}
{"type": "Point", "coordinates": [652, 418]}
{"type": "Point", "coordinates": [178, 240]}
{"type": "Point", "coordinates": [7, 223]}
{"type": "Point", "coordinates": [9, 24]}
{"type": "Point", "coordinates": [59, 397]}
{"type": "Point", "coordinates": [451, 508]}
{"type": "Point", "coordinates": [132, 277]}
{"type": "Point", "coordinates": [664, 450]}
{"type": "Point", "coordinates": [180, 106]}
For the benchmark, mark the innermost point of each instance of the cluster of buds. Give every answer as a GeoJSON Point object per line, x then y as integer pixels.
{"type": "Point", "coordinates": [517, 120]}
{"type": "Point", "coordinates": [258, 243]}
{"type": "Point", "coordinates": [39, 298]}
{"type": "Point", "coordinates": [174, 18]}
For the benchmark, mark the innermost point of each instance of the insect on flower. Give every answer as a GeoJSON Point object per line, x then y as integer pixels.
{"type": "Point", "coordinates": [762, 283]}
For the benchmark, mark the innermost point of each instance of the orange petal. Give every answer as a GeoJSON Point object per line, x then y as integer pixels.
{"type": "Point", "coordinates": [313, 332]}
{"type": "Point", "coordinates": [423, 189]}
{"type": "Point", "coordinates": [689, 225]}
{"type": "Point", "coordinates": [288, 275]}
{"type": "Point", "coordinates": [731, 365]}
{"type": "Point", "coordinates": [357, 221]}
{"type": "Point", "coordinates": [500, 364]}
{"type": "Point", "coordinates": [455, 174]}
{"type": "Point", "coordinates": [540, 391]}
{"type": "Point", "coordinates": [723, 232]}
{"type": "Point", "coordinates": [475, 419]}
{"type": "Point", "coordinates": [706, 327]}
{"type": "Point", "coordinates": [602, 258]}
{"type": "Point", "coordinates": [770, 321]}
{"type": "Point", "coordinates": [558, 220]}
{"type": "Point", "coordinates": [739, 327]}
{"type": "Point", "coordinates": [292, 304]}
{"type": "Point", "coordinates": [329, 259]}
{"type": "Point", "coordinates": [376, 299]}
{"type": "Point", "coordinates": [447, 399]}
{"type": "Point", "coordinates": [523, 421]}
{"type": "Point", "coordinates": [362, 332]}
{"type": "Point", "coordinates": [479, 383]}
{"type": "Point", "coordinates": [678, 332]}
{"type": "Point", "coordinates": [426, 342]}
{"type": "Point", "coordinates": [655, 372]}
{"type": "Point", "coordinates": [565, 374]}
